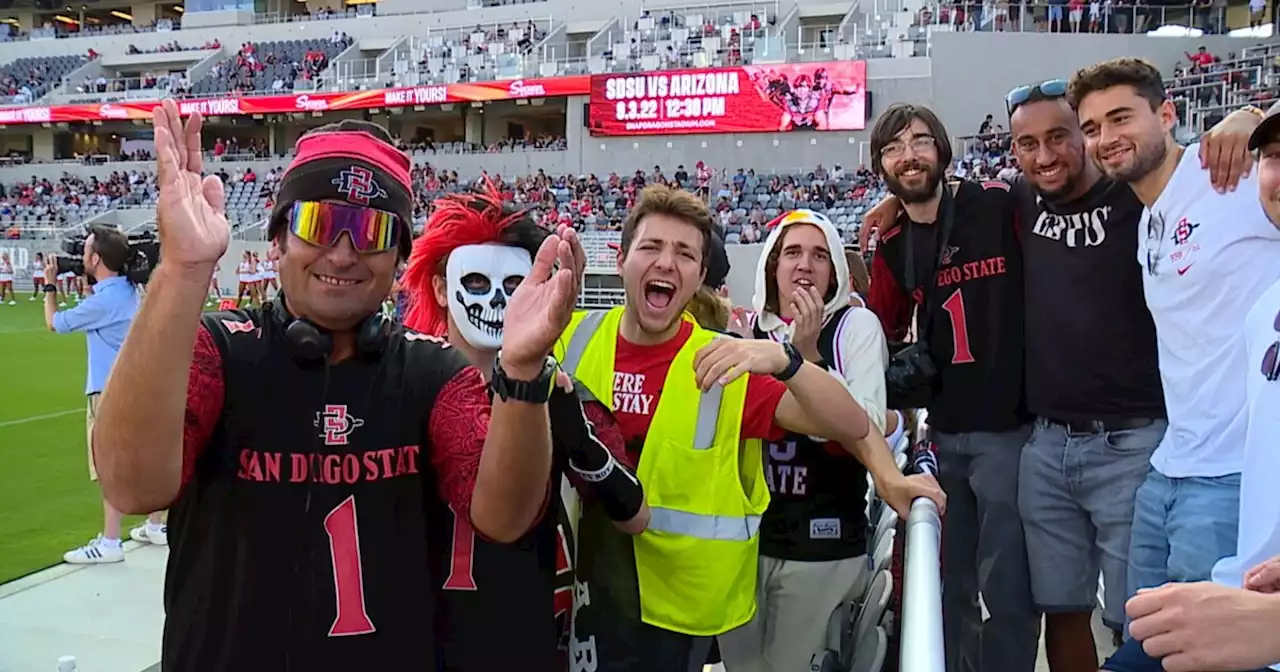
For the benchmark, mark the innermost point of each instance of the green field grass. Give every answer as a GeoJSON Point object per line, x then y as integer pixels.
{"type": "Point", "coordinates": [47, 503]}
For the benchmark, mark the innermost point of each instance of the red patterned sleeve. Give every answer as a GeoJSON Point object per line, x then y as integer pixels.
{"type": "Point", "coordinates": [204, 401]}
{"type": "Point", "coordinates": [457, 427]}
{"type": "Point", "coordinates": [887, 299]}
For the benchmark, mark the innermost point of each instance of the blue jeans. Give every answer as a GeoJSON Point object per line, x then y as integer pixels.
{"type": "Point", "coordinates": [1076, 494]}
{"type": "Point", "coordinates": [1131, 658]}
{"type": "Point", "coordinates": [984, 551]}
{"type": "Point", "coordinates": [1181, 528]}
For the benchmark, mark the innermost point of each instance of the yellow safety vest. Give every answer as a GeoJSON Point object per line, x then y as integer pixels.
{"type": "Point", "coordinates": [697, 561]}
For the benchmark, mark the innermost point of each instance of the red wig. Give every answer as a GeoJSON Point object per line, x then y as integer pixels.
{"type": "Point", "coordinates": [473, 218]}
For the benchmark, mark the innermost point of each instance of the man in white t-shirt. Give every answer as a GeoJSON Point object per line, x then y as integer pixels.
{"type": "Point", "coordinates": [1217, 626]}
{"type": "Point", "coordinates": [1207, 257]}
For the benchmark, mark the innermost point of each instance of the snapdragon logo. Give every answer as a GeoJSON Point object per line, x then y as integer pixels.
{"type": "Point", "coordinates": [304, 102]}
{"type": "Point", "coordinates": [108, 111]}
{"type": "Point", "coordinates": [518, 89]}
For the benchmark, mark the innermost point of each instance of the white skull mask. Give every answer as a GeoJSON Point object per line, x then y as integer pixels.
{"type": "Point", "coordinates": [481, 278]}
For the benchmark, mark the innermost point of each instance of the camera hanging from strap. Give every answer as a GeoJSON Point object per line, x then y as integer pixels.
{"type": "Point", "coordinates": [941, 236]}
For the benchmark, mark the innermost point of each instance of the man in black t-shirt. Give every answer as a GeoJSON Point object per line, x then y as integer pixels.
{"type": "Point", "coordinates": [462, 275]}
{"type": "Point", "coordinates": [1092, 375]}
{"type": "Point", "coordinates": [300, 444]}
{"type": "Point", "coordinates": [1092, 379]}
{"type": "Point", "coordinates": [965, 278]}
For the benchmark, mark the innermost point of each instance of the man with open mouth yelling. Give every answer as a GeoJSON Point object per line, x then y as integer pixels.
{"type": "Point", "coordinates": [694, 406]}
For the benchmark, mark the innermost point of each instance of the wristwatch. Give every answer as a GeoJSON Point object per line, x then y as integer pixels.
{"type": "Point", "coordinates": [794, 362]}
{"type": "Point", "coordinates": [536, 391]}
{"type": "Point", "coordinates": [50, 288]}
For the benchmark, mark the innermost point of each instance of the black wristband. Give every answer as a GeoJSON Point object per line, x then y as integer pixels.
{"type": "Point", "coordinates": [615, 488]}
{"type": "Point", "coordinates": [795, 361]}
{"type": "Point", "coordinates": [50, 288]}
{"type": "Point", "coordinates": [536, 391]}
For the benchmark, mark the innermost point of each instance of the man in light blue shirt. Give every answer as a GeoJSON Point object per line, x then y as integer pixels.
{"type": "Point", "coordinates": [104, 317]}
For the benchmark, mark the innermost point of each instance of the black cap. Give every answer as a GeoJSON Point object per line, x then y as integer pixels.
{"type": "Point", "coordinates": [1267, 130]}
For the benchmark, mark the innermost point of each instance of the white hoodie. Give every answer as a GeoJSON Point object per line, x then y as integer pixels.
{"type": "Point", "coordinates": [861, 352]}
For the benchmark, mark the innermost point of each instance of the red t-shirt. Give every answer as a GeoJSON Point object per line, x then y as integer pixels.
{"type": "Point", "coordinates": [639, 373]}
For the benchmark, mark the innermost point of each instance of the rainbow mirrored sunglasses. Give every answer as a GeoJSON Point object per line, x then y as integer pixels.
{"type": "Point", "coordinates": [323, 223]}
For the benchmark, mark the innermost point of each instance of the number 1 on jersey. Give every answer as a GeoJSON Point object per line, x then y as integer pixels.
{"type": "Point", "coordinates": [954, 305]}
{"type": "Point", "coordinates": [348, 574]}
{"type": "Point", "coordinates": [461, 555]}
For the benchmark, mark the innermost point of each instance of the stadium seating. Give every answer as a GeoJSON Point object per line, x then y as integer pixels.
{"type": "Point", "coordinates": [698, 37]}
{"type": "Point", "coordinates": [477, 53]}
{"type": "Point", "coordinates": [1206, 94]}
{"type": "Point", "coordinates": [261, 64]}
{"type": "Point", "coordinates": [27, 79]}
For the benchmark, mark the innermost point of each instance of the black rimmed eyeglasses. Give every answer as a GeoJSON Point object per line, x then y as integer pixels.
{"type": "Point", "coordinates": [1050, 90]}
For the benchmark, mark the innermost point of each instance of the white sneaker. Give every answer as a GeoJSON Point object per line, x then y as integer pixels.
{"type": "Point", "coordinates": [149, 534]}
{"type": "Point", "coordinates": [95, 552]}
{"type": "Point", "coordinates": [12, 302]}
{"type": "Point", "coordinates": [31, 299]}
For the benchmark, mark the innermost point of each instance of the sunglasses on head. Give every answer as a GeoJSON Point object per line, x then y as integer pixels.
{"type": "Point", "coordinates": [1050, 90]}
{"type": "Point", "coordinates": [323, 223]}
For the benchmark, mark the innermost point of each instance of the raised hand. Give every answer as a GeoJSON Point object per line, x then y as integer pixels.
{"type": "Point", "coordinates": [541, 307]}
{"type": "Point", "coordinates": [191, 213]}
{"type": "Point", "coordinates": [808, 307]}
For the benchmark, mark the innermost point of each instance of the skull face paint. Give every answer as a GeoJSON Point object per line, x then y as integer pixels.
{"type": "Point", "coordinates": [480, 279]}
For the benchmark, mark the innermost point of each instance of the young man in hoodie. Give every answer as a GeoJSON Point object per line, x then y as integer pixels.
{"type": "Point", "coordinates": [813, 539]}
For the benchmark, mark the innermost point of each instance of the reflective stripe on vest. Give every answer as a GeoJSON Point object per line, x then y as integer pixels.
{"type": "Point", "coordinates": [704, 430]}
{"type": "Point", "coordinates": [723, 528]}
{"type": "Point", "coordinates": [697, 562]}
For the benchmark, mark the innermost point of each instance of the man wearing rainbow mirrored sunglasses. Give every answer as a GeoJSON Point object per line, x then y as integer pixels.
{"type": "Point", "coordinates": [301, 443]}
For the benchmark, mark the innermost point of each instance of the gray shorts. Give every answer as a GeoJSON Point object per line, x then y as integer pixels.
{"type": "Point", "coordinates": [1076, 494]}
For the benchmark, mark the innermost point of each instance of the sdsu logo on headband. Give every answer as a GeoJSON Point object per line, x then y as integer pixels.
{"type": "Point", "coordinates": [358, 186]}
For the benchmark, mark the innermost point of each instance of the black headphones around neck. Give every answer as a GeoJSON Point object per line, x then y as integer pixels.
{"type": "Point", "coordinates": [311, 344]}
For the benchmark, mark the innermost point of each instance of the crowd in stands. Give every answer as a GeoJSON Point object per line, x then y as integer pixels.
{"type": "Point", "coordinates": [471, 54]}
{"type": "Point", "coordinates": [676, 39]}
{"type": "Point", "coordinates": [1219, 84]}
{"type": "Point", "coordinates": [271, 66]}
{"type": "Point", "coordinates": [42, 202]}
{"type": "Point", "coordinates": [26, 79]}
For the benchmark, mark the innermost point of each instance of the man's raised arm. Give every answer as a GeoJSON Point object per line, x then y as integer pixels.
{"type": "Point", "coordinates": [138, 432]}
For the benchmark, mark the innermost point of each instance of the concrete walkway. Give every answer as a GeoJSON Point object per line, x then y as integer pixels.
{"type": "Point", "coordinates": [110, 617]}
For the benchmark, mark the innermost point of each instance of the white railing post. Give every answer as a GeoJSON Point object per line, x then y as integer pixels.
{"type": "Point", "coordinates": [923, 648]}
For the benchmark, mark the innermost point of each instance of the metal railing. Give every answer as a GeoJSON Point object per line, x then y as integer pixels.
{"type": "Point", "coordinates": [882, 26]}
{"type": "Point", "coordinates": [923, 648]}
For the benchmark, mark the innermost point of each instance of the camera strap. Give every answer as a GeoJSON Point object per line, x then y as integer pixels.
{"type": "Point", "coordinates": [942, 236]}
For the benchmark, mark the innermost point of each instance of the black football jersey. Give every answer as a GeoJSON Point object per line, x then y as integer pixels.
{"type": "Point", "coordinates": [508, 606]}
{"type": "Point", "coordinates": [300, 542]}
{"type": "Point", "coordinates": [977, 333]}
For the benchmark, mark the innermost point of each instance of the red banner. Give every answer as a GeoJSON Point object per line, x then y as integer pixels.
{"type": "Point", "coordinates": [746, 99]}
{"type": "Point", "coordinates": [554, 87]}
